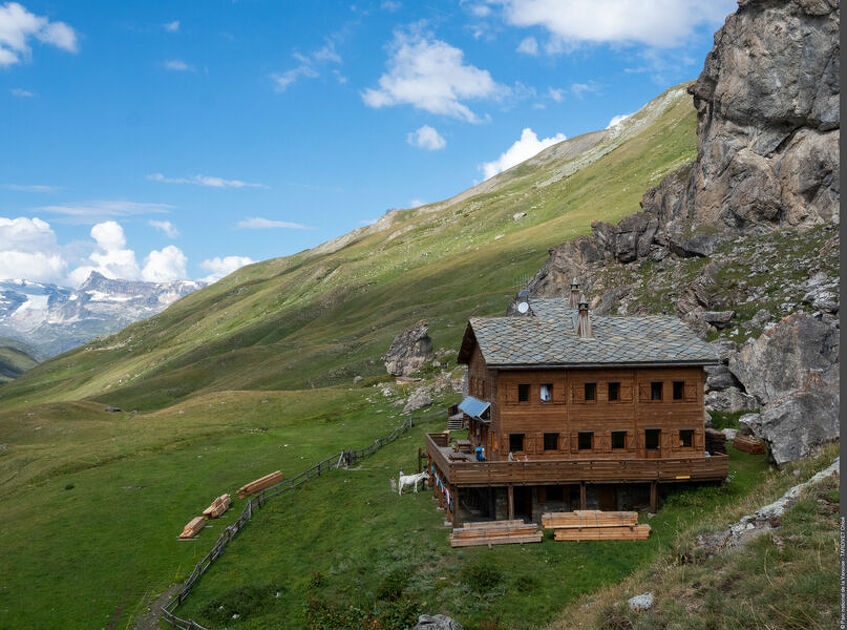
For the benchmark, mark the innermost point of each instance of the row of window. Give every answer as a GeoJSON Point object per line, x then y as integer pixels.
{"type": "Point", "coordinates": [614, 391]}
{"type": "Point", "coordinates": [585, 440]}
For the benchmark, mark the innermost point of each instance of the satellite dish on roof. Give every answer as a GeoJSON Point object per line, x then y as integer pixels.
{"type": "Point", "coordinates": [523, 307]}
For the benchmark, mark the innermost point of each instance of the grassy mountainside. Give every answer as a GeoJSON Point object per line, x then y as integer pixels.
{"type": "Point", "coordinates": [324, 315]}
{"type": "Point", "coordinates": [15, 359]}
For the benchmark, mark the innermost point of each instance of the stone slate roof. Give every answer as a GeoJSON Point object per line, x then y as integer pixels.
{"type": "Point", "coordinates": [548, 337]}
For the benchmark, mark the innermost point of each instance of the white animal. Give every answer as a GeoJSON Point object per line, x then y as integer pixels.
{"type": "Point", "coordinates": [411, 480]}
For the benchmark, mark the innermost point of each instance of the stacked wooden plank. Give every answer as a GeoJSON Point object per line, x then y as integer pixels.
{"type": "Point", "coordinates": [218, 506]}
{"type": "Point", "coordinates": [495, 533]}
{"type": "Point", "coordinates": [749, 445]}
{"type": "Point", "coordinates": [260, 484]}
{"type": "Point", "coordinates": [595, 525]}
{"type": "Point", "coordinates": [193, 527]}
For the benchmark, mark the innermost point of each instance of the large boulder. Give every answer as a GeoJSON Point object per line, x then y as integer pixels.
{"type": "Point", "coordinates": [409, 351]}
{"type": "Point", "coordinates": [729, 400]}
{"type": "Point", "coordinates": [419, 399]}
{"type": "Point", "coordinates": [795, 425]}
{"type": "Point", "coordinates": [436, 622]}
{"type": "Point", "coordinates": [782, 358]}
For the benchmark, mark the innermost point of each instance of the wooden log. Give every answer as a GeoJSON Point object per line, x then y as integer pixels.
{"type": "Point", "coordinates": [493, 532]}
{"type": "Point", "coordinates": [498, 540]}
{"type": "Point", "coordinates": [749, 445]}
{"type": "Point", "coordinates": [193, 527]}
{"type": "Point", "coordinates": [218, 506]}
{"type": "Point", "coordinates": [493, 523]}
{"type": "Point", "coordinates": [638, 532]}
{"type": "Point", "coordinates": [260, 484]}
{"type": "Point", "coordinates": [588, 518]}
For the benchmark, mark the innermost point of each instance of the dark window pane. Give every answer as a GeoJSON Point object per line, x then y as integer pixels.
{"type": "Point", "coordinates": [651, 439]}
{"type": "Point", "coordinates": [546, 392]}
{"type": "Point", "coordinates": [515, 442]}
{"type": "Point", "coordinates": [618, 439]}
{"type": "Point", "coordinates": [585, 439]}
{"type": "Point", "coordinates": [551, 441]}
{"type": "Point", "coordinates": [678, 389]}
{"type": "Point", "coordinates": [686, 437]}
{"type": "Point", "coordinates": [614, 391]}
{"type": "Point", "coordinates": [523, 392]}
{"type": "Point", "coordinates": [656, 390]}
{"type": "Point", "coordinates": [590, 391]}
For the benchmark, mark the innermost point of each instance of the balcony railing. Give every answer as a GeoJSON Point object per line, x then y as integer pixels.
{"type": "Point", "coordinates": [463, 473]}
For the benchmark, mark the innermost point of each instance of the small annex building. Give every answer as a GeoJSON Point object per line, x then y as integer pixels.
{"type": "Point", "coordinates": [575, 411]}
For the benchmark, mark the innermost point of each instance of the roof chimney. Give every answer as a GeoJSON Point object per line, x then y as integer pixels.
{"type": "Point", "coordinates": [574, 298]}
{"type": "Point", "coordinates": [583, 321]}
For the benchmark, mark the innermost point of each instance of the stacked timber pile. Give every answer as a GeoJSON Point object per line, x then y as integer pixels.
{"type": "Point", "coordinates": [749, 445]}
{"type": "Point", "coordinates": [715, 441]}
{"type": "Point", "coordinates": [193, 528]}
{"type": "Point", "coordinates": [495, 533]}
{"type": "Point", "coordinates": [218, 507]}
{"type": "Point", "coordinates": [260, 484]}
{"type": "Point", "coordinates": [595, 525]}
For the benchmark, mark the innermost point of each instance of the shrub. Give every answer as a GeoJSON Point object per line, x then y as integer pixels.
{"type": "Point", "coordinates": [246, 601]}
{"type": "Point", "coordinates": [481, 576]}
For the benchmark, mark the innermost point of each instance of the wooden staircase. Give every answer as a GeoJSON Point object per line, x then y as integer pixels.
{"type": "Point", "coordinates": [454, 422]}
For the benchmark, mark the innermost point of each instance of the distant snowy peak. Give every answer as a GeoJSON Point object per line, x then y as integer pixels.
{"type": "Point", "coordinates": [53, 319]}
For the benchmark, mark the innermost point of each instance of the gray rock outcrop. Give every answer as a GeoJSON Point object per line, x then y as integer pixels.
{"type": "Point", "coordinates": [419, 399]}
{"type": "Point", "coordinates": [782, 358]}
{"type": "Point", "coordinates": [436, 622]}
{"type": "Point", "coordinates": [409, 351]}
{"type": "Point", "coordinates": [768, 128]}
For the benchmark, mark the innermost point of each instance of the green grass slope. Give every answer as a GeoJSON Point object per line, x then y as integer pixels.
{"type": "Point", "coordinates": [324, 315]}
{"type": "Point", "coordinates": [15, 359]}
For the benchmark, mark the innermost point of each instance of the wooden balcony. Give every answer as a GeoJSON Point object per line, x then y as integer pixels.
{"type": "Point", "coordinates": [561, 471]}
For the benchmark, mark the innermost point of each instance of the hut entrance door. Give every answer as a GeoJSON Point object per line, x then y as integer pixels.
{"type": "Point", "coordinates": [523, 502]}
{"type": "Point", "coordinates": [607, 497]}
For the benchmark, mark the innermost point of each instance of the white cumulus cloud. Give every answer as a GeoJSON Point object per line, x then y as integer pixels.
{"type": "Point", "coordinates": [655, 23]}
{"type": "Point", "coordinates": [617, 120]}
{"type": "Point", "coordinates": [21, 93]}
{"type": "Point", "coordinates": [426, 137]}
{"type": "Point", "coordinates": [221, 267]}
{"type": "Point", "coordinates": [18, 26]}
{"type": "Point", "coordinates": [167, 227]}
{"type": "Point", "coordinates": [171, 27]}
{"type": "Point", "coordinates": [165, 265]}
{"type": "Point", "coordinates": [308, 65]}
{"type": "Point", "coordinates": [431, 75]}
{"type": "Point", "coordinates": [110, 256]}
{"type": "Point", "coordinates": [28, 248]}
{"type": "Point", "coordinates": [521, 150]}
{"type": "Point", "coordinates": [260, 223]}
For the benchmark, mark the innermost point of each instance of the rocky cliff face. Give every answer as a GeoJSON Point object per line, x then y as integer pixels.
{"type": "Point", "coordinates": [747, 233]}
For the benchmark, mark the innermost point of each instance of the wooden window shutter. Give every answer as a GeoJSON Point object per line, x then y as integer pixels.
{"type": "Point", "coordinates": [512, 393]}
{"type": "Point", "coordinates": [690, 391]}
{"type": "Point", "coordinates": [625, 392]}
{"type": "Point", "coordinates": [644, 391]}
{"type": "Point", "coordinates": [578, 392]}
{"type": "Point", "coordinates": [574, 442]}
{"type": "Point", "coordinates": [559, 392]}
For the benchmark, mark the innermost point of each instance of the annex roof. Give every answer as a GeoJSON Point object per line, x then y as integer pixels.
{"type": "Point", "coordinates": [548, 337]}
{"type": "Point", "coordinates": [473, 407]}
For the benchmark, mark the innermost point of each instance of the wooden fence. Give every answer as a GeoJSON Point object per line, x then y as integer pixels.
{"type": "Point", "coordinates": [343, 458]}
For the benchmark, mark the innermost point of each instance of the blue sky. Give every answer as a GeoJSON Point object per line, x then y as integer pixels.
{"type": "Point", "coordinates": [164, 140]}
